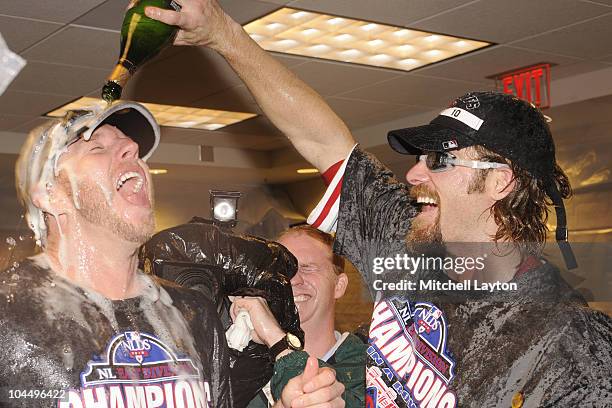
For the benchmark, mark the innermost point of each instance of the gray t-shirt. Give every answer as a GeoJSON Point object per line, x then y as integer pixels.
{"type": "Point", "coordinates": [65, 346]}
{"type": "Point", "coordinates": [540, 343]}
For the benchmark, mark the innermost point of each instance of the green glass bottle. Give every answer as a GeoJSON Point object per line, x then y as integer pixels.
{"type": "Point", "coordinates": [142, 38]}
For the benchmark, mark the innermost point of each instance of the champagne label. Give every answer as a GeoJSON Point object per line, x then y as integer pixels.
{"type": "Point", "coordinates": [175, 5]}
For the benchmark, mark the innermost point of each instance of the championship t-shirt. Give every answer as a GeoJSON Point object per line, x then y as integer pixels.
{"type": "Point", "coordinates": [536, 346]}
{"type": "Point", "coordinates": [67, 347]}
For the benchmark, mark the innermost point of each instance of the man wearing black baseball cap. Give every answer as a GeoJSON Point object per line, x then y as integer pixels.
{"type": "Point", "coordinates": [486, 174]}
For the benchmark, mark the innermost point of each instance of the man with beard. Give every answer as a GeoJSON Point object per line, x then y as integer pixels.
{"type": "Point", "coordinates": [81, 325]}
{"type": "Point", "coordinates": [488, 174]}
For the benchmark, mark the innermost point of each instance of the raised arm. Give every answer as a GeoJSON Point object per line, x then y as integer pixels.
{"type": "Point", "coordinates": [295, 108]}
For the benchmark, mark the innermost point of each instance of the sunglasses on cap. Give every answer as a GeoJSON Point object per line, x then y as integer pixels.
{"type": "Point", "coordinates": [441, 161]}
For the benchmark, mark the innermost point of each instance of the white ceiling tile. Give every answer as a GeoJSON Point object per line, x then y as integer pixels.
{"type": "Point", "coordinates": [356, 111]}
{"type": "Point", "coordinates": [415, 90]}
{"type": "Point", "coordinates": [577, 68]}
{"type": "Point", "coordinates": [30, 103]}
{"type": "Point", "coordinates": [58, 79]}
{"type": "Point", "coordinates": [290, 60]}
{"type": "Point", "coordinates": [60, 11]}
{"type": "Point", "coordinates": [236, 99]}
{"type": "Point", "coordinates": [396, 12]}
{"type": "Point", "coordinates": [259, 125]}
{"type": "Point", "coordinates": [388, 116]}
{"type": "Point", "coordinates": [243, 13]}
{"type": "Point", "coordinates": [78, 46]}
{"type": "Point", "coordinates": [495, 60]}
{"type": "Point", "coordinates": [19, 39]}
{"type": "Point", "coordinates": [220, 138]}
{"type": "Point", "coordinates": [330, 78]}
{"type": "Point", "coordinates": [108, 15]}
{"type": "Point", "coordinates": [8, 122]}
{"type": "Point", "coordinates": [29, 125]}
{"type": "Point", "coordinates": [189, 75]}
{"type": "Point", "coordinates": [500, 21]}
{"type": "Point", "coordinates": [587, 40]}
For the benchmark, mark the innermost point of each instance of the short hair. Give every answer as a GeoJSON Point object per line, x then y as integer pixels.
{"type": "Point", "coordinates": [323, 237]}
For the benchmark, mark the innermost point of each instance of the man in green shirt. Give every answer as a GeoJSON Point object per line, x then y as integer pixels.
{"type": "Point", "coordinates": [318, 284]}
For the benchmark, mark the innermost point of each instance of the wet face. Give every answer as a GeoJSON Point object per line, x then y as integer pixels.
{"type": "Point", "coordinates": [450, 212]}
{"type": "Point", "coordinates": [316, 285]}
{"type": "Point", "coordinates": [109, 185]}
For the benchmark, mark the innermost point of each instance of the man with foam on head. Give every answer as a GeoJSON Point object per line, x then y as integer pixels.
{"type": "Point", "coordinates": [484, 181]}
{"type": "Point", "coordinates": [319, 282]}
{"type": "Point", "coordinates": [81, 323]}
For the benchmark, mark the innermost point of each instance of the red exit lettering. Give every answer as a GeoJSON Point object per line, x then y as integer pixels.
{"type": "Point", "coordinates": [531, 84]}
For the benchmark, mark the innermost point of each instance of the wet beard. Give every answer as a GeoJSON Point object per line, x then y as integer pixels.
{"type": "Point", "coordinates": [96, 210]}
{"type": "Point", "coordinates": [425, 238]}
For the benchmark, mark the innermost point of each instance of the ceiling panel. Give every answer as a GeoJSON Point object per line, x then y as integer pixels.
{"type": "Point", "coordinates": [214, 138]}
{"type": "Point", "coordinates": [330, 78]}
{"type": "Point", "coordinates": [108, 15]}
{"type": "Point", "coordinates": [587, 40]}
{"type": "Point", "coordinates": [242, 13]}
{"type": "Point", "coordinates": [397, 12]}
{"type": "Point", "coordinates": [356, 111]}
{"type": "Point", "coordinates": [415, 90]}
{"type": "Point", "coordinates": [386, 116]}
{"type": "Point", "coordinates": [189, 75]}
{"type": "Point", "coordinates": [501, 21]}
{"type": "Point", "coordinates": [58, 79]}
{"type": "Point", "coordinates": [259, 125]}
{"type": "Point", "coordinates": [237, 99]}
{"type": "Point", "coordinates": [29, 125]}
{"type": "Point", "coordinates": [8, 122]}
{"type": "Point", "coordinates": [19, 39]}
{"type": "Point", "coordinates": [479, 65]}
{"type": "Point", "coordinates": [60, 11]}
{"type": "Point", "coordinates": [29, 103]}
{"type": "Point", "coordinates": [577, 68]}
{"type": "Point", "coordinates": [78, 46]}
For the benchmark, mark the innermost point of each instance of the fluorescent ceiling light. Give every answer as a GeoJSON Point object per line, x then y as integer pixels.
{"type": "Point", "coordinates": [158, 171]}
{"type": "Point", "coordinates": [307, 171]}
{"type": "Point", "coordinates": [311, 34]}
{"type": "Point", "coordinates": [169, 115]}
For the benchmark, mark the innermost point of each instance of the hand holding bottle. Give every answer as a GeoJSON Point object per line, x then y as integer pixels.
{"type": "Point", "coordinates": [201, 22]}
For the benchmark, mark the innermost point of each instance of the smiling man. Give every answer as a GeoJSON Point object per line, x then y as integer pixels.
{"type": "Point", "coordinates": [319, 282]}
{"type": "Point", "coordinates": [82, 326]}
{"type": "Point", "coordinates": [483, 186]}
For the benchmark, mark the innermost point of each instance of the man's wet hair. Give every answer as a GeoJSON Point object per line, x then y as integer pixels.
{"type": "Point", "coordinates": [325, 238]}
{"type": "Point", "coordinates": [522, 215]}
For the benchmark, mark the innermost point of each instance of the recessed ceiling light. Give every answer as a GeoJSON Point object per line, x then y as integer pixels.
{"type": "Point", "coordinates": [169, 115]}
{"type": "Point", "coordinates": [158, 171]}
{"type": "Point", "coordinates": [343, 39]}
{"type": "Point", "coordinates": [307, 171]}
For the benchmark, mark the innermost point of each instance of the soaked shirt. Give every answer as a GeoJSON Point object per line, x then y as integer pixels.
{"type": "Point", "coordinates": [538, 346]}
{"type": "Point", "coordinates": [67, 347]}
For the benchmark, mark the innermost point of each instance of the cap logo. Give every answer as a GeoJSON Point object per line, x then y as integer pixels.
{"type": "Point", "coordinates": [471, 102]}
{"type": "Point", "coordinates": [463, 116]}
{"type": "Point", "coordinates": [450, 144]}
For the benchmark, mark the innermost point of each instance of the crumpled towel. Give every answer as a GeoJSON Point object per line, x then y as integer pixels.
{"type": "Point", "coordinates": [239, 333]}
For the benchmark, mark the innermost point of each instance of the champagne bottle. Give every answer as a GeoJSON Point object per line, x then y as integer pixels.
{"type": "Point", "coordinates": [142, 38]}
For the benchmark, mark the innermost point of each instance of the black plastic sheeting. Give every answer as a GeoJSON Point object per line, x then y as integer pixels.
{"type": "Point", "coordinates": [204, 257]}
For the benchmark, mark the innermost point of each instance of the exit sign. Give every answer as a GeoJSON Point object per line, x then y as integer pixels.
{"type": "Point", "coordinates": [531, 84]}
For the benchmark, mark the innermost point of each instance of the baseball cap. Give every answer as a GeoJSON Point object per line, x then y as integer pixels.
{"type": "Point", "coordinates": [37, 163]}
{"type": "Point", "coordinates": [504, 124]}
